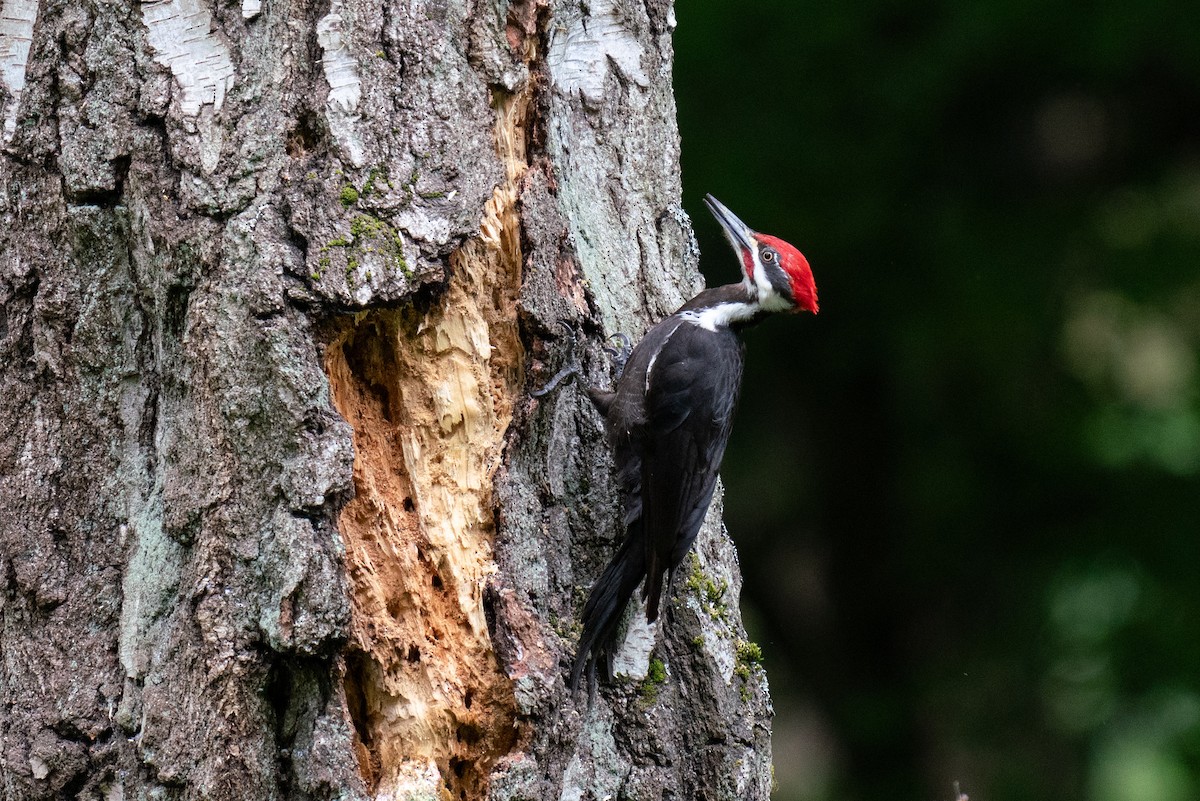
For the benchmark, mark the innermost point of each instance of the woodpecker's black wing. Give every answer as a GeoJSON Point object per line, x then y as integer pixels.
{"type": "Point", "coordinates": [625, 421]}
{"type": "Point", "coordinates": [691, 393]}
{"type": "Point", "coordinates": [668, 423]}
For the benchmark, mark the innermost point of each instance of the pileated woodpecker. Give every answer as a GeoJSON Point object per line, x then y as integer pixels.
{"type": "Point", "coordinates": [668, 421]}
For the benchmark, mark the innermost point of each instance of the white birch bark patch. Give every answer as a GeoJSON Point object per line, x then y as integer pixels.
{"type": "Point", "coordinates": [580, 54]}
{"type": "Point", "coordinates": [16, 36]}
{"type": "Point", "coordinates": [345, 87]}
{"type": "Point", "coordinates": [180, 31]}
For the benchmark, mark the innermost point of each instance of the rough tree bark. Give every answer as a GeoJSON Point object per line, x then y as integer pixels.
{"type": "Point", "coordinates": [279, 517]}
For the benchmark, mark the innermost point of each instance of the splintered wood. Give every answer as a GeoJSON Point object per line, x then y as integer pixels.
{"type": "Point", "coordinates": [429, 395]}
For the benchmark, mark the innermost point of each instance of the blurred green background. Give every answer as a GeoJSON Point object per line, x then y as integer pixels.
{"type": "Point", "coordinates": [966, 494]}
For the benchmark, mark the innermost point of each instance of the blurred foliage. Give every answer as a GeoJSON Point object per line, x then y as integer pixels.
{"type": "Point", "coordinates": [967, 494]}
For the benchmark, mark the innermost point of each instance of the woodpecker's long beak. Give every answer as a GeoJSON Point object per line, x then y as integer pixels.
{"type": "Point", "coordinates": [740, 235]}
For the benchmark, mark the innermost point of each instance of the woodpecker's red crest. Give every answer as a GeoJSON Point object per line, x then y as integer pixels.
{"type": "Point", "coordinates": [778, 271]}
{"type": "Point", "coordinates": [804, 288]}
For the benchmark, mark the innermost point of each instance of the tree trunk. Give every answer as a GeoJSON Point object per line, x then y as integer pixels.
{"type": "Point", "coordinates": [280, 519]}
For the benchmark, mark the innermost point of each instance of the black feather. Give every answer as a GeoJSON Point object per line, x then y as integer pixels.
{"type": "Point", "coordinates": [668, 423]}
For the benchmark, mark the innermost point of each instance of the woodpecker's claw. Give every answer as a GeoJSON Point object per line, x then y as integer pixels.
{"type": "Point", "coordinates": [622, 348]}
{"type": "Point", "coordinates": [571, 369]}
{"type": "Point", "coordinates": [619, 348]}
{"type": "Point", "coordinates": [556, 379]}
{"type": "Point", "coordinates": [621, 352]}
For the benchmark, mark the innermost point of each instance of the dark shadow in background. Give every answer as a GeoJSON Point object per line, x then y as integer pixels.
{"type": "Point", "coordinates": [965, 495]}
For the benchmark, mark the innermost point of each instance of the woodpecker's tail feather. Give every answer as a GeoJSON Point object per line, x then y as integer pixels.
{"type": "Point", "coordinates": [604, 609]}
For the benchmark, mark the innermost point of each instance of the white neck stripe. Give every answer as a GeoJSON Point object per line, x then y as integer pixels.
{"type": "Point", "coordinates": [721, 315]}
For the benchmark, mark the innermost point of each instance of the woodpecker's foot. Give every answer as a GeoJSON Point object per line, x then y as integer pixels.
{"type": "Point", "coordinates": [556, 379]}
{"type": "Point", "coordinates": [619, 352]}
{"type": "Point", "coordinates": [571, 369]}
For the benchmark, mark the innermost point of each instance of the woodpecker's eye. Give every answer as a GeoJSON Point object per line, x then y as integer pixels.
{"type": "Point", "coordinates": [767, 256]}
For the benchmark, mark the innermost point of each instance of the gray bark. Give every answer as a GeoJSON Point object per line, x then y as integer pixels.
{"type": "Point", "coordinates": [279, 518]}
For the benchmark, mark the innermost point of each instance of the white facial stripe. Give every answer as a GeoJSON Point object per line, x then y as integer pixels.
{"type": "Point", "coordinates": [768, 298]}
{"type": "Point", "coordinates": [720, 316]}
{"type": "Point", "coordinates": [765, 290]}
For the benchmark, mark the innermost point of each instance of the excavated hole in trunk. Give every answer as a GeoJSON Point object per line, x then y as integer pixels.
{"type": "Point", "coordinates": [428, 394]}
{"type": "Point", "coordinates": [418, 538]}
